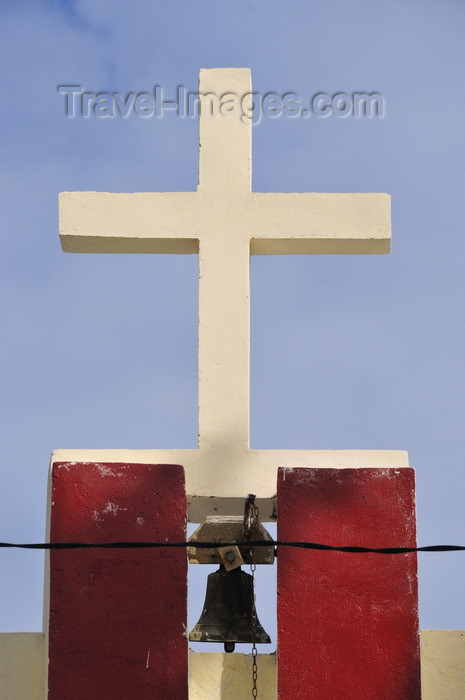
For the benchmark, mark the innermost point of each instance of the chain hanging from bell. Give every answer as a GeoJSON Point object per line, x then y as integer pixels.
{"type": "Point", "coordinates": [228, 611]}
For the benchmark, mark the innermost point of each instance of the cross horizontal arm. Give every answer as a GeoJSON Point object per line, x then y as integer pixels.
{"type": "Point", "coordinates": [276, 223]}
{"type": "Point", "coordinates": [144, 222]}
{"type": "Point", "coordinates": [320, 223]}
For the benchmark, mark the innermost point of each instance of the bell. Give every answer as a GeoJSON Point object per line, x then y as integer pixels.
{"type": "Point", "coordinates": [227, 611]}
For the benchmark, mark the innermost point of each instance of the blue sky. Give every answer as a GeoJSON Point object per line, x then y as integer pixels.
{"type": "Point", "coordinates": [357, 352]}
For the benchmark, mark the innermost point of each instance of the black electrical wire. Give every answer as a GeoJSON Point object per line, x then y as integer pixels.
{"type": "Point", "coordinates": [249, 543]}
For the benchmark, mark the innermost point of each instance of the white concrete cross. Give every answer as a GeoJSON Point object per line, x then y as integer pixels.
{"type": "Point", "coordinates": [225, 222]}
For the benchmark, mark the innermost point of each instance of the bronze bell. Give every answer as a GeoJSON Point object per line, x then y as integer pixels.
{"type": "Point", "coordinates": [227, 611]}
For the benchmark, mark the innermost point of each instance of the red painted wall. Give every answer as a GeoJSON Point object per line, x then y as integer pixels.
{"type": "Point", "coordinates": [347, 623]}
{"type": "Point", "coordinates": [117, 616]}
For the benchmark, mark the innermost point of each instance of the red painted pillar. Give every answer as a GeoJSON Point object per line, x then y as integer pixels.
{"type": "Point", "coordinates": [347, 623]}
{"type": "Point", "coordinates": [117, 616]}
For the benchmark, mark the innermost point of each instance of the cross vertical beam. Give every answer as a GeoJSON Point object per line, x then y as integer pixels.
{"type": "Point", "coordinates": [224, 281]}
{"type": "Point", "coordinates": [224, 324]}
{"type": "Point", "coordinates": [225, 135]}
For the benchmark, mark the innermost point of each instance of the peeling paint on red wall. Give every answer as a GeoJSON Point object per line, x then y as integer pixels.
{"type": "Point", "coordinates": [118, 616]}
{"type": "Point", "coordinates": [347, 623]}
